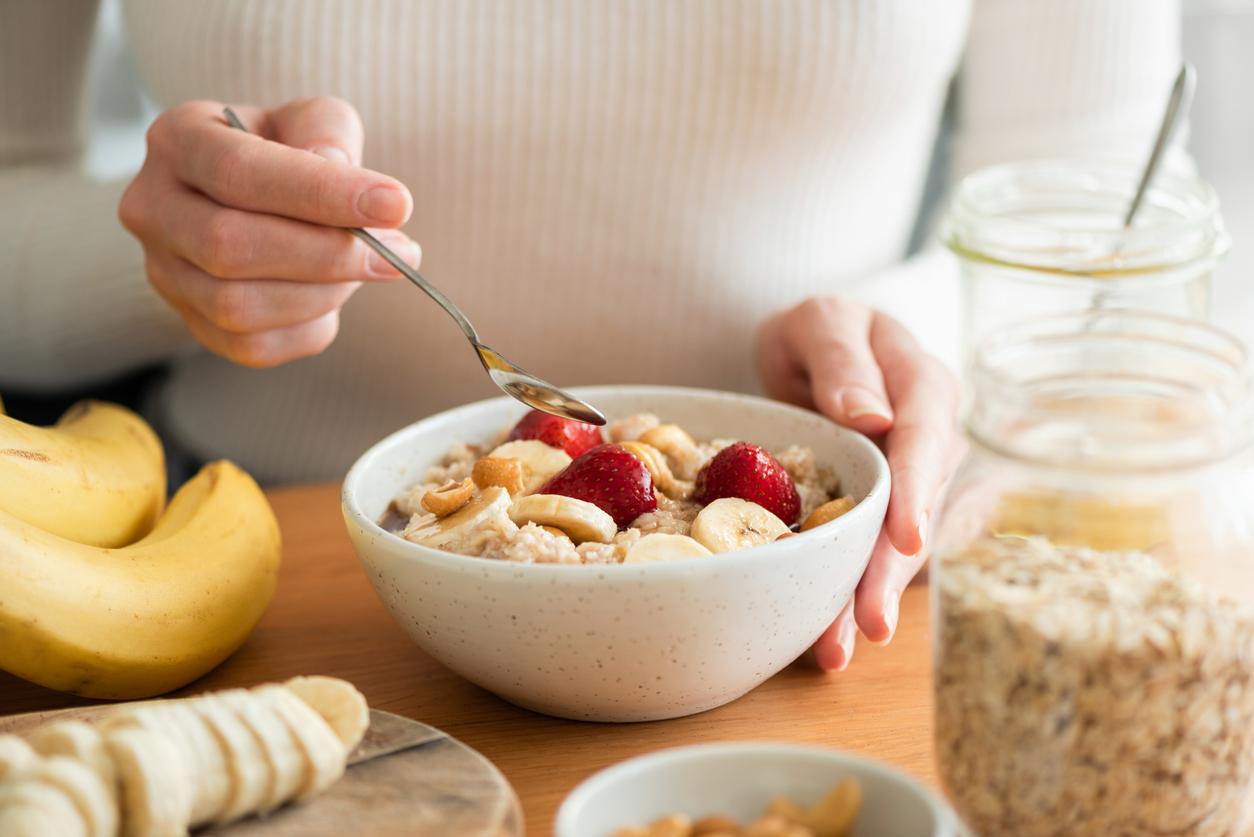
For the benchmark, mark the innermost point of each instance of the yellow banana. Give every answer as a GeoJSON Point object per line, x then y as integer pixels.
{"type": "Point", "coordinates": [97, 476]}
{"type": "Point", "coordinates": [149, 617]}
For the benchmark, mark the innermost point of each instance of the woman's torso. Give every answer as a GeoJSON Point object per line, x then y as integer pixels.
{"type": "Point", "coordinates": [613, 190]}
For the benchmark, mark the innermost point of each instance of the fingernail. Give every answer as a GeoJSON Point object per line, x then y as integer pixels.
{"type": "Point", "coordinates": [403, 247]}
{"type": "Point", "coordinates": [330, 152]}
{"type": "Point", "coordinates": [382, 203]}
{"type": "Point", "coordinates": [858, 402]}
{"type": "Point", "coordinates": [847, 638]}
{"type": "Point", "coordinates": [892, 611]}
{"type": "Point", "coordinates": [924, 520]}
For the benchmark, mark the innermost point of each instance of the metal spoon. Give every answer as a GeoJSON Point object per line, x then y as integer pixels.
{"type": "Point", "coordinates": [511, 378]}
{"type": "Point", "coordinates": [1177, 108]}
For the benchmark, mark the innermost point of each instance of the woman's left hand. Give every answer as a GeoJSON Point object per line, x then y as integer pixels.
{"type": "Point", "coordinates": [865, 371]}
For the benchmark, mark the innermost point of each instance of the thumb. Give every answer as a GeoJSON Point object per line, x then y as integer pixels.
{"type": "Point", "coordinates": [831, 336]}
{"type": "Point", "coordinates": [325, 125]}
{"type": "Point", "coordinates": [331, 128]}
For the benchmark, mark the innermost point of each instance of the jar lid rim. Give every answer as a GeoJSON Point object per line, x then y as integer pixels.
{"type": "Point", "coordinates": [1076, 375]}
{"type": "Point", "coordinates": [980, 223]}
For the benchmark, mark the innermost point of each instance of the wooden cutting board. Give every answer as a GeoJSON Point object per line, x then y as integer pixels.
{"type": "Point", "coordinates": [432, 786]}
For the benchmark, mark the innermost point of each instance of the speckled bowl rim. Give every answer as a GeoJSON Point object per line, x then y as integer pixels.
{"type": "Point", "coordinates": [368, 461]}
{"type": "Point", "coordinates": [943, 815]}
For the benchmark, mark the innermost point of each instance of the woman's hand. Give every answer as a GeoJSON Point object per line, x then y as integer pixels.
{"type": "Point", "coordinates": [238, 229]}
{"type": "Point", "coordinates": [863, 369]}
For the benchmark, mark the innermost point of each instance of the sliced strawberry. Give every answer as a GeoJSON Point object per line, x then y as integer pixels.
{"type": "Point", "coordinates": [574, 437]}
{"type": "Point", "coordinates": [747, 471]}
{"type": "Point", "coordinates": [610, 478]}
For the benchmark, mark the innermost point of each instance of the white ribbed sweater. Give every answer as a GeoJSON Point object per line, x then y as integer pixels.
{"type": "Point", "coordinates": [614, 190]}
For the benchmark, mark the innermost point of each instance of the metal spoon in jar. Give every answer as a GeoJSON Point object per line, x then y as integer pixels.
{"type": "Point", "coordinates": [511, 378]}
{"type": "Point", "coordinates": [1178, 104]}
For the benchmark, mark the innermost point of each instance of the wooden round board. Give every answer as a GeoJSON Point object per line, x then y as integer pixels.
{"type": "Point", "coordinates": [435, 786]}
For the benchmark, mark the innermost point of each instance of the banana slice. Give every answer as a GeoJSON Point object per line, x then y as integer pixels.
{"type": "Point", "coordinates": [579, 519]}
{"type": "Point", "coordinates": [539, 461]}
{"type": "Point", "coordinates": [287, 764]}
{"type": "Point", "coordinates": [447, 531]}
{"type": "Point", "coordinates": [30, 808]}
{"type": "Point", "coordinates": [203, 759]}
{"type": "Point", "coordinates": [83, 786]}
{"type": "Point", "coordinates": [250, 778]}
{"type": "Point", "coordinates": [324, 755]}
{"type": "Point", "coordinates": [655, 461]}
{"type": "Point", "coordinates": [16, 756]}
{"type": "Point", "coordinates": [680, 448]}
{"type": "Point", "coordinates": [78, 740]}
{"type": "Point", "coordinates": [156, 790]}
{"type": "Point", "coordinates": [207, 760]}
{"type": "Point", "coordinates": [338, 702]}
{"type": "Point", "coordinates": [730, 524]}
{"type": "Point", "coordinates": [659, 547]}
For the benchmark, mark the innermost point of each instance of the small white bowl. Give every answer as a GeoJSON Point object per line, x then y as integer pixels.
{"type": "Point", "coordinates": [739, 780]}
{"type": "Point", "coordinates": [622, 642]}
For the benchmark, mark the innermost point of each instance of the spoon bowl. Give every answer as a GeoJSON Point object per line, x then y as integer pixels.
{"type": "Point", "coordinates": [534, 391]}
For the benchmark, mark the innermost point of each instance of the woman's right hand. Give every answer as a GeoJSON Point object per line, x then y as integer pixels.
{"type": "Point", "coordinates": [239, 230]}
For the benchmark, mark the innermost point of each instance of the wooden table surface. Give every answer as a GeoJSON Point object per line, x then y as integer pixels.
{"type": "Point", "coordinates": [326, 619]}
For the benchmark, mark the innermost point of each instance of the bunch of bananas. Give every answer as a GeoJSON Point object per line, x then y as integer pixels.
{"type": "Point", "coordinates": [104, 591]}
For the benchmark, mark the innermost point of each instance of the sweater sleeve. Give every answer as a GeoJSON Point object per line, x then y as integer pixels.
{"type": "Point", "coordinates": [74, 302]}
{"type": "Point", "coordinates": [1056, 79]}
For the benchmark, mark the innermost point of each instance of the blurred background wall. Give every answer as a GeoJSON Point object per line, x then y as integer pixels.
{"type": "Point", "coordinates": [1219, 39]}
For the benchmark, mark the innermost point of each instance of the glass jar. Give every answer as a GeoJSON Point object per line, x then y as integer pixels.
{"type": "Point", "coordinates": [1044, 237]}
{"type": "Point", "coordinates": [1093, 585]}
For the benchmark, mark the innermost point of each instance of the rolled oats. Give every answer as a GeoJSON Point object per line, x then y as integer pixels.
{"type": "Point", "coordinates": [799, 463]}
{"type": "Point", "coordinates": [457, 465]}
{"type": "Point", "coordinates": [672, 517]}
{"type": "Point", "coordinates": [1086, 692]}
{"type": "Point", "coordinates": [530, 544]}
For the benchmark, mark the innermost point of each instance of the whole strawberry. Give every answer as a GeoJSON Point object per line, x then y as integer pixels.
{"type": "Point", "coordinates": [574, 437]}
{"type": "Point", "coordinates": [747, 471]}
{"type": "Point", "coordinates": [609, 478]}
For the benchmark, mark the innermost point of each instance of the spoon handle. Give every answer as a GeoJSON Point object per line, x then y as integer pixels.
{"type": "Point", "coordinates": [396, 261]}
{"type": "Point", "coordinates": [1177, 107]}
{"type": "Point", "coordinates": [414, 276]}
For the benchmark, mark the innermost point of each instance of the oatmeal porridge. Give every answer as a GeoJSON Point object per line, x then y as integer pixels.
{"type": "Point", "coordinates": [555, 491]}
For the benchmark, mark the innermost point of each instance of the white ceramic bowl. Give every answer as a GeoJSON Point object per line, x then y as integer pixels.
{"type": "Point", "coordinates": [621, 642]}
{"type": "Point", "coordinates": [739, 780]}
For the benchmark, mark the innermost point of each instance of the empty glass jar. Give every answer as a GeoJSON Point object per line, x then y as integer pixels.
{"type": "Point", "coordinates": [1093, 587]}
{"type": "Point", "coordinates": [1044, 237]}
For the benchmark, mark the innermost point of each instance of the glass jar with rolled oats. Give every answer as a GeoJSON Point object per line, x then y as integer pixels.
{"type": "Point", "coordinates": [1093, 588]}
